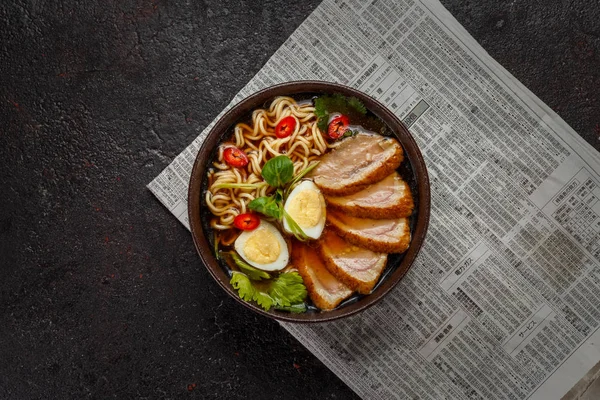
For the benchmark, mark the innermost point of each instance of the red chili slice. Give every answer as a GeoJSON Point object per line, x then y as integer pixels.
{"type": "Point", "coordinates": [246, 222]}
{"type": "Point", "coordinates": [338, 126]}
{"type": "Point", "coordinates": [285, 127]}
{"type": "Point", "coordinates": [235, 157]}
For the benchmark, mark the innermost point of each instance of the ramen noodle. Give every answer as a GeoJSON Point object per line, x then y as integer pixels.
{"type": "Point", "coordinates": [258, 140]}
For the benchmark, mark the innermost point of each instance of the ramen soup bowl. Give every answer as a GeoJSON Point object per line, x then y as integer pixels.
{"type": "Point", "coordinates": [412, 170]}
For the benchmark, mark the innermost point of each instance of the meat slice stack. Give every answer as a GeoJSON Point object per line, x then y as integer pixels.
{"type": "Point", "coordinates": [368, 205]}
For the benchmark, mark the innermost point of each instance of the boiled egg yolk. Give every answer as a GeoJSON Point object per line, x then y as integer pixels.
{"type": "Point", "coordinates": [263, 248]}
{"type": "Point", "coordinates": [306, 206]}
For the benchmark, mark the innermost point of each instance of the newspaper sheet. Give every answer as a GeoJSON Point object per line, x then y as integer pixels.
{"type": "Point", "coordinates": [504, 299]}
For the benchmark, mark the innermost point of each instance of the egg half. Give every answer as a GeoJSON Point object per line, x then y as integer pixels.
{"type": "Point", "coordinates": [263, 248]}
{"type": "Point", "coordinates": [306, 206]}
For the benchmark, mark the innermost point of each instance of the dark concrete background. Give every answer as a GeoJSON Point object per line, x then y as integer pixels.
{"type": "Point", "coordinates": [101, 291]}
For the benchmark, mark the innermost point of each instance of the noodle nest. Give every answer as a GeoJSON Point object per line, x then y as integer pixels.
{"type": "Point", "coordinates": [258, 140]}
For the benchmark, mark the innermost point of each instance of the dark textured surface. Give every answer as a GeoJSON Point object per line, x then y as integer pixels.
{"type": "Point", "coordinates": [101, 292]}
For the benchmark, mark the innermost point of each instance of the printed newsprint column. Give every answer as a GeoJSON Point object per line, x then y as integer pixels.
{"type": "Point", "coordinates": [504, 299]}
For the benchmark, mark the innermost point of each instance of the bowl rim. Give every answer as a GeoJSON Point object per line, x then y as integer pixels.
{"type": "Point", "coordinates": [257, 99]}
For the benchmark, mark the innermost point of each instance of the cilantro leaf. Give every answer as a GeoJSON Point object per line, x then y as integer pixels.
{"type": "Point", "coordinates": [263, 300]}
{"type": "Point", "coordinates": [322, 123]}
{"type": "Point", "coordinates": [321, 107]}
{"type": "Point", "coordinates": [357, 105]}
{"type": "Point", "coordinates": [322, 113]}
{"type": "Point", "coordinates": [247, 291]}
{"type": "Point", "coordinates": [288, 289]}
{"type": "Point", "coordinates": [243, 285]}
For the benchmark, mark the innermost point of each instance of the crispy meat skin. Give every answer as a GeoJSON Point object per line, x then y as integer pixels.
{"type": "Point", "coordinates": [388, 198]}
{"type": "Point", "coordinates": [324, 289]}
{"type": "Point", "coordinates": [379, 235]}
{"type": "Point", "coordinates": [356, 163]}
{"type": "Point", "coordinates": [358, 268]}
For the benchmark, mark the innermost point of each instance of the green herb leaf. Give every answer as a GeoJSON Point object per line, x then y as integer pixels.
{"type": "Point", "coordinates": [243, 285]}
{"type": "Point", "coordinates": [294, 308]}
{"type": "Point", "coordinates": [304, 172]}
{"type": "Point", "coordinates": [294, 227]}
{"type": "Point", "coordinates": [247, 291]}
{"type": "Point", "coordinates": [279, 195]}
{"type": "Point", "coordinates": [288, 289]}
{"type": "Point", "coordinates": [267, 205]}
{"type": "Point", "coordinates": [286, 292]}
{"type": "Point", "coordinates": [254, 274]}
{"type": "Point", "coordinates": [297, 178]}
{"type": "Point", "coordinates": [357, 105]}
{"type": "Point", "coordinates": [350, 132]}
{"type": "Point", "coordinates": [322, 113]}
{"type": "Point", "coordinates": [278, 171]}
{"type": "Point", "coordinates": [263, 300]}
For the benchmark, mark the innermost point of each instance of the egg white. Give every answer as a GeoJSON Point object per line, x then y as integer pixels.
{"type": "Point", "coordinates": [284, 254]}
{"type": "Point", "coordinates": [313, 232]}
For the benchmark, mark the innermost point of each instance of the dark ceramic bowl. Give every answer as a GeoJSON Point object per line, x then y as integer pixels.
{"type": "Point", "coordinates": [412, 170]}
